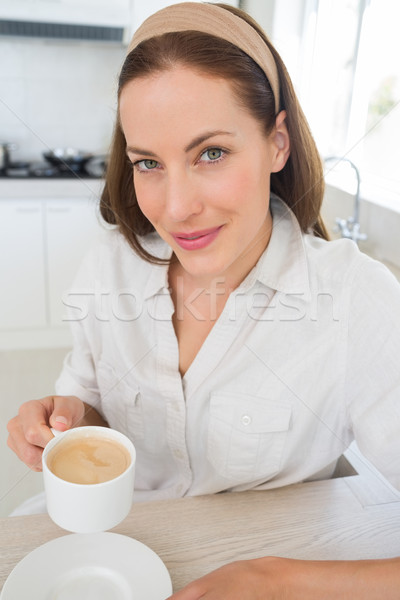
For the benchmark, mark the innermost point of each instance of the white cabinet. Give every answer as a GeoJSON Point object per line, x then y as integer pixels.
{"type": "Point", "coordinates": [42, 243]}
{"type": "Point", "coordinates": [72, 227]}
{"type": "Point", "coordinates": [22, 265]}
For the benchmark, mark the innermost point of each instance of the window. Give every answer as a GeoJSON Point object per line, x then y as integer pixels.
{"type": "Point", "coordinates": [347, 75]}
{"type": "Point", "coordinates": [375, 119]}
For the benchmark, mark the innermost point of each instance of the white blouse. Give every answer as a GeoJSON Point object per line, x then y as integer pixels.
{"type": "Point", "coordinates": [303, 360]}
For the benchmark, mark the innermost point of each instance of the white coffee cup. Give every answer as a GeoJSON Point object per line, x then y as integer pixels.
{"type": "Point", "coordinates": [93, 507]}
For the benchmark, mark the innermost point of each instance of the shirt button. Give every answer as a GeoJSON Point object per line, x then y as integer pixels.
{"type": "Point", "coordinates": [178, 454]}
{"type": "Point", "coordinates": [179, 489]}
{"type": "Point", "coordinates": [246, 420]}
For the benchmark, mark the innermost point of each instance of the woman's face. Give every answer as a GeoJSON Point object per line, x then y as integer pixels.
{"type": "Point", "coordinates": [201, 170]}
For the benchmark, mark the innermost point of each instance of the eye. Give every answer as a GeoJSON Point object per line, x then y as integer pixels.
{"type": "Point", "coordinates": [146, 165]}
{"type": "Point", "coordinates": [212, 155]}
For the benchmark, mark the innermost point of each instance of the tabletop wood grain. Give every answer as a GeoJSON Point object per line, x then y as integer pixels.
{"type": "Point", "coordinates": [316, 520]}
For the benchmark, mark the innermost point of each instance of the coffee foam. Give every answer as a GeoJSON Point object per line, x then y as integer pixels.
{"type": "Point", "coordinates": [88, 460]}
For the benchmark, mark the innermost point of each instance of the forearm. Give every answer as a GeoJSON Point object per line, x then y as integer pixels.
{"type": "Point", "coordinates": [344, 580]}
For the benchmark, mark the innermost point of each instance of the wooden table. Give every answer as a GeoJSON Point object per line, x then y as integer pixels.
{"type": "Point", "coordinates": [333, 519]}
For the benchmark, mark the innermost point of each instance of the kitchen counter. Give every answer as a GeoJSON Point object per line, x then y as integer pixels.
{"type": "Point", "coordinates": [42, 188]}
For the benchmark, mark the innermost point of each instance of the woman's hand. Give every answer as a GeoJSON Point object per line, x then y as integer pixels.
{"type": "Point", "coordinates": [243, 580]}
{"type": "Point", "coordinates": [29, 431]}
{"type": "Point", "coordinates": [274, 578]}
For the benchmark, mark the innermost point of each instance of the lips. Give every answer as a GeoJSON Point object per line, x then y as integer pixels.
{"type": "Point", "coordinates": [196, 240]}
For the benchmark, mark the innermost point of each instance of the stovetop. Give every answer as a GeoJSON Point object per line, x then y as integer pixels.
{"type": "Point", "coordinates": [44, 170]}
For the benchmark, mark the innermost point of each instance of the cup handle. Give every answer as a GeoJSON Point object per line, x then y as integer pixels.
{"type": "Point", "coordinates": [55, 432]}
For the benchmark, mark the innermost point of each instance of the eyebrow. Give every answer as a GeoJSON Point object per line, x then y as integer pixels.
{"type": "Point", "coordinates": [204, 137]}
{"type": "Point", "coordinates": [193, 144]}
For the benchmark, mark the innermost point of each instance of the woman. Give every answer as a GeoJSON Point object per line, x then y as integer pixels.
{"type": "Point", "coordinates": [216, 325]}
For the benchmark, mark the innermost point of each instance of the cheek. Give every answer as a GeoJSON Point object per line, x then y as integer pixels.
{"type": "Point", "coordinates": [240, 190]}
{"type": "Point", "coordinates": [146, 199]}
{"type": "Point", "coordinates": [226, 189]}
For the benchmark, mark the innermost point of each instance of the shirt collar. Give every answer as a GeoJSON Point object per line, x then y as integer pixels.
{"type": "Point", "coordinates": [282, 267]}
{"type": "Point", "coordinates": [158, 274]}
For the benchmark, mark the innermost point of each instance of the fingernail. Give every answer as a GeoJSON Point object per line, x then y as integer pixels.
{"type": "Point", "coordinates": [62, 420]}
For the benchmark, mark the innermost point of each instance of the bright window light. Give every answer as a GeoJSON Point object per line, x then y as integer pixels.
{"type": "Point", "coordinates": [350, 86]}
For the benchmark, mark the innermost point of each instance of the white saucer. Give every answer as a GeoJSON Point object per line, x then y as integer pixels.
{"type": "Point", "coordinates": [89, 566]}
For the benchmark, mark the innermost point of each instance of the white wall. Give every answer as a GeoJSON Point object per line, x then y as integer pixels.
{"type": "Point", "coordinates": [62, 93]}
{"type": "Point", "coordinates": [262, 11]}
{"type": "Point", "coordinates": [57, 93]}
{"type": "Point", "coordinates": [283, 22]}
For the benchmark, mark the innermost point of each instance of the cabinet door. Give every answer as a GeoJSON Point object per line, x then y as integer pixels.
{"type": "Point", "coordinates": [72, 227]}
{"type": "Point", "coordinates": [22, 273]}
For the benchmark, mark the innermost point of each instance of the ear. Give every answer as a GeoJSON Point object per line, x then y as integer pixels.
{"type": "Point", "coordinates": [281, 143]}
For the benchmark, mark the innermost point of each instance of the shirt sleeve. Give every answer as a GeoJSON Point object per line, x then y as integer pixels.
{"type": "Point", "coordinates": [373, 367]}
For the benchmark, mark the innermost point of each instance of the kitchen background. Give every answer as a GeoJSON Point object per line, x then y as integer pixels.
{"type": "Point", "coordinates": [60, 93]}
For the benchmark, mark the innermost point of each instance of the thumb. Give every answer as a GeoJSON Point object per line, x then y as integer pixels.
{"type": "Point", "coordinates": [67, 412]}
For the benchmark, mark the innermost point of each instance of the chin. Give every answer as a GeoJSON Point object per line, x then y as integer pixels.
{"type": "Point", "coordinates": [200, 267]}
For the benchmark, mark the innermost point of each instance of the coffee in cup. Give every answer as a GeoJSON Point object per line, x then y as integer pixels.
{"type": "Point", "coordinates": [88, 477]}
{"type": "Point", "coordinates": [88, 460]}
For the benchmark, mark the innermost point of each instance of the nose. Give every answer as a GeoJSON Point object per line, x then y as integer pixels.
{"type": "Point", "coordinates": [182, 197]}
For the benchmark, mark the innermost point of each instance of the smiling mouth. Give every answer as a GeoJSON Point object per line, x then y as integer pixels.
{"type": "Point", "coordinates": [191, 237]}
{"type": "Point", "coordinates": [197, 240]}
{"type": "Point", "coordinates": [195, 235]}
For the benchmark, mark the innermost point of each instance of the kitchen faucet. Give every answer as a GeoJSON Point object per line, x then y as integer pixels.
{"type": "Point", "coordinates": [4, 157]}
{"type": "Point", "coordinates": [350, 227]}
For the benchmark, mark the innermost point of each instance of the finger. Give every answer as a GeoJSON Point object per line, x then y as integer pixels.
{"type": "Point", "coordinates": [31, 455]}
{"type": "Point", "coordinates": [193, 591]}
{"type": "Point", "coordinates": [34, 420]}
{"type": "Point", "coordinates": [67, 412]}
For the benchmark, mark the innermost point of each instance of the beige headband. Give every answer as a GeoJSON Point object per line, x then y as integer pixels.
{"type": "Point", "coordinates": [214, 20]}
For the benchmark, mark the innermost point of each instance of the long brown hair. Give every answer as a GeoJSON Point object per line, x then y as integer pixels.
{"type": "Point", "coordinates": [300, 183]}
